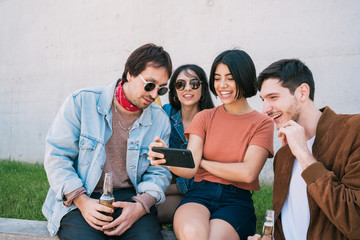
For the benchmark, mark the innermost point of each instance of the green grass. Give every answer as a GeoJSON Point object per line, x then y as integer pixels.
{"type": "Point", "coordinates": [23, 188]}
{"type": "Point", "coordinates": [262, 201]}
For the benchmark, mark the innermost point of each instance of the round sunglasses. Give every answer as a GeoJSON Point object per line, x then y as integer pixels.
{"type": "Point", "coordinates": [180, 84]}
{"type": "Point", "coordinates": [149, 86]}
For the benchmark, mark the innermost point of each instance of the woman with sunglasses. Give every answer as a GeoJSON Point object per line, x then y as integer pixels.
{"type": "Point", "coordinates": [188, 94]}
{"type": "Point", "coordinates": [230, 144]}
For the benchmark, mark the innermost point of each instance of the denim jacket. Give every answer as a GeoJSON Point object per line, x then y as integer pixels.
{"type": "Point", "coordinates": [75, 150]}
{"type": "Point", "coordinates": [177, 140]}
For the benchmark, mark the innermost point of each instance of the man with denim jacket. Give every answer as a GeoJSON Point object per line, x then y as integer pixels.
{"type": "Point", "coordinates": [109, 129]}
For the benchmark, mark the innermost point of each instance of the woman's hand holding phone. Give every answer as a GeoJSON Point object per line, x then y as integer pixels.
{"type": "Point", "coordinates": [169, 157]}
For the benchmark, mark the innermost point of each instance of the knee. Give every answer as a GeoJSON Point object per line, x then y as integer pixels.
{"type": "Point", "coordinates": [190, 231]}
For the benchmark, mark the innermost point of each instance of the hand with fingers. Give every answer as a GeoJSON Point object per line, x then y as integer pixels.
{"type": "Point", "coordinates": [131, 212]}
{"type": "Point", "coordinates": [293, 134]}
{"type": "Point", "coordinates": [255, 237]}
{"type": "Point", "coordinates": [155, 157]}
{"type": "Point", "coordinates": [91, 211]}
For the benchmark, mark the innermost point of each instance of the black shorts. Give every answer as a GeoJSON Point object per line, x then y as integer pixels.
{"type": "Point", "coordinates": [227, 202]}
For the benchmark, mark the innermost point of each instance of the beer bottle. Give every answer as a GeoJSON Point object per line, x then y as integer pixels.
{"type": "Point", "coordinates": [268, 228]}
{"type": "Point", "coordinates": [107, 197]}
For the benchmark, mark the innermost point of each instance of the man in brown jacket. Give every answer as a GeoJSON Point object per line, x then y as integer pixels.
{"type": "Point", "coordinates": [317, 171]}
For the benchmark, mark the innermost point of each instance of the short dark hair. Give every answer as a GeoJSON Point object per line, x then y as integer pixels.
{"type": "Point", "coordinates": [242, 69]}
{"type": "Point", "coordinates": [144, 56]}
{"type": "Point", "coordinates": [205, 100]}
{"type": "Point", "coordinates": [291, 74]}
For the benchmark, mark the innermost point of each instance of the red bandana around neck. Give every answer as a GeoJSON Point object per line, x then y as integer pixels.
{"type": "Point", "coordinates": [120, 97]}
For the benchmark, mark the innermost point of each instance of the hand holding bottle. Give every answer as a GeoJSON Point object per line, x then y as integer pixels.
{"type": "Point", "coordinates": [131, 212]}
{"type": "Point", "coordinates": [91, 211]}
{"type": "Point", "coordinates": [268, 228]}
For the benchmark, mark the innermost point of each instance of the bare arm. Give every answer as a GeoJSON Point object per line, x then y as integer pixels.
{"type": "Point", "coordinates": [246, 171]}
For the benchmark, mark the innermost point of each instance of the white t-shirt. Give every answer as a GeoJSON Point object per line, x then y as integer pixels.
{"type": "Point", "coordinates": [295, 213]}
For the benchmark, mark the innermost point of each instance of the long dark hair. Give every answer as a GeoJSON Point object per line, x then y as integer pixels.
{"type": "Point", "coordinates": [205, 100]}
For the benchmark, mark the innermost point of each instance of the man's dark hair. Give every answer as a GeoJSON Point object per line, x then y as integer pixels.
{"type": "Point", "coordinates": [205, 100]}
{"type": "Point", "coordinates": [147, 55]}
{"type": "Point", "coordinates": [242, 69]}
{"type": "Point", "coordinates": [291, 74]}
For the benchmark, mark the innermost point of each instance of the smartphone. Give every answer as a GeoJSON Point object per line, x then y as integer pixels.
{"type": "Point", "coordinates": [176, 157]}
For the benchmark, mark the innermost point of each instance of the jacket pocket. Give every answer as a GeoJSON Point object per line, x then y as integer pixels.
{"type": "Point", "coordinates": [86, 150]}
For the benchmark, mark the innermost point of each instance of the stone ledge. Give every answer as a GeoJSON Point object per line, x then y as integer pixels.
{"type": "Point", "coordinates": [19, 229]}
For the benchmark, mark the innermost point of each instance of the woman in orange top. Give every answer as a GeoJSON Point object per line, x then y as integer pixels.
{"type": "Point", "coordinates": [230, 144]}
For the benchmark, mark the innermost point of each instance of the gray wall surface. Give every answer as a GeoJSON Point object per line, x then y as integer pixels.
{"type": "Point", "coordinates": [48, 49]}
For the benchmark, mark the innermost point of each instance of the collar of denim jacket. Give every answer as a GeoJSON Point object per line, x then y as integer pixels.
{"type": "Point", "coordinates": [106, 98]}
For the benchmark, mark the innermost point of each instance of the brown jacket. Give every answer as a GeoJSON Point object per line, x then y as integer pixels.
{"type": "Point", "coordinates": [333, 183]}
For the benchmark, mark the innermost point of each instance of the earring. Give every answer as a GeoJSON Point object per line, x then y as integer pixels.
{"type": "Point", "coordinates": [202, 98]}
{"type": "Point", "coordinates": [175, 98]}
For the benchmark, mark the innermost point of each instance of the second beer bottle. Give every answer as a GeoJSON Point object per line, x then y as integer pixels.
{"type": "Point", "coordinates": [268, 228]}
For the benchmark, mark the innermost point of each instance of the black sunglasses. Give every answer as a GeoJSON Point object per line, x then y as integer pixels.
{"type": "Point", "coordinates": [149, 86]}
{"type": "Point", "coordinates": [180, 84]}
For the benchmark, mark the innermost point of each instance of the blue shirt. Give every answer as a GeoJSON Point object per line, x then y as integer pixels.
{"type": "Point", "coordinates": [177, 140]}
{"type": "Point", "coordinates": [75, 150]}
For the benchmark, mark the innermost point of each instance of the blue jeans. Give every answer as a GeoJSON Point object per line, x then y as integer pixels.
{"type": "Point", "coordinates": [227, 202]}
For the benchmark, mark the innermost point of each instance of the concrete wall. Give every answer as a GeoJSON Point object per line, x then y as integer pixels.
{"type": "Point", "coordinates": [48, 49]}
